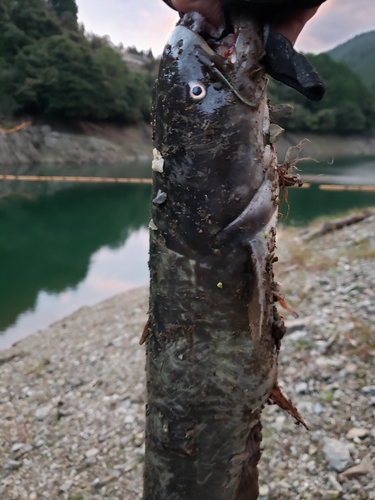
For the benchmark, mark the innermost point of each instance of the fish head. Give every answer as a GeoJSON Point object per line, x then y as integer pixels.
{"type": "Point", "coordinates": [198, 89]}
{"type": "Point", "coordinates": [186, 94]}
{"type": "Point", "coordinates": [208, 116]}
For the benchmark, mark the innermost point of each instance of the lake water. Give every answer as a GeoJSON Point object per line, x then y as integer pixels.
{"type": "Point", "coordinates": [67, 246]}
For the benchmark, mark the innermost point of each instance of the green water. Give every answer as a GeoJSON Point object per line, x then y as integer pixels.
{"type": "Point", "coordinates": [48, 245]}
{"type": "Point", "coordinates": [63, 247]}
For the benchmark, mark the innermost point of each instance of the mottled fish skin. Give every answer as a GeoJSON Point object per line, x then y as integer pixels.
{"type": "Point", "coordinates": [211, 356]}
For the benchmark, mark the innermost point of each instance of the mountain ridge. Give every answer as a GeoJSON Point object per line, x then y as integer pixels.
{"type": "Point", "coordinates": [359, 54]}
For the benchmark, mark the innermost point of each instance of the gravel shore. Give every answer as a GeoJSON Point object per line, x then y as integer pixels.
{"type": "Point", "coordinates": [72, 396]}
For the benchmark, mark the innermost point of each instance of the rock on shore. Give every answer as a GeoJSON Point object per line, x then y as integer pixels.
{"type": "Point", "coordinates": [41, 144]}
{"type": "Point", "coordinates": [72, 396]}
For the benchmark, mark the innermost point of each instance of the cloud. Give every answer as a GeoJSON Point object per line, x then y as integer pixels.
{"type": "Point", "coordinates": [337, 21]}
{"type": "Point", "coordinates": [146, 23]}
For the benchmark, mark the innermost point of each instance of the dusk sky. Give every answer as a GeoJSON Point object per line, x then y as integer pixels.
{"type": "Point", "coordinates": [146, 23]}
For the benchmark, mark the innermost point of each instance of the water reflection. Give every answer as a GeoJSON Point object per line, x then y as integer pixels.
{"type": "Point", "coordinates": [63, 247]}
{"type": "Point", "coordinates": [47, 242]}
{"type": "Point", "coordinates": [110, 271]}
{"type": "Point", "coordinates": [308, 204]}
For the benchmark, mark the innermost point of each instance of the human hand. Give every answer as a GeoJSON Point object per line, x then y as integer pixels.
{"type": "Point", "coordinates": [210, 9]}
{"type": "Point", "coordinates": [290, 27]}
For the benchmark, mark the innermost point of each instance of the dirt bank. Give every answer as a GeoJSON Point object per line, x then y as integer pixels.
{"type": "Point", "coordinates": [107, 144]}
{"type": "Point", "coordinates": [327, 147]}
{"type": "Point", "coordinates": [89, 144]}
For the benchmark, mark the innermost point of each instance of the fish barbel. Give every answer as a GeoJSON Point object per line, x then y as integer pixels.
{"type": "Point", "coordinates": [212, 341]}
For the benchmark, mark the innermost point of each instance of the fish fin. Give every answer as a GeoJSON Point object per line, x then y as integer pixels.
{"type": "Point", "coordinates": [278, 397]}
{"type": "Point", "coordinates": [146, 332]}
{"type": "Point", "coordinates": [281, 300]}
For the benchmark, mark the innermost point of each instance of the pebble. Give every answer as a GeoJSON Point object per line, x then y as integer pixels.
{"type": "Point", "coordinates": [91, 453]}
{"type": "Point", "coordinates": [12, 465]}
{"type": "Point", "coordinates": [297, 335]}
{"type": "Point", "coordinates": [364, 467]}
{"type": "Point", "coordinates": [42, 412]}
{"type": "Point", "coordinates": [334, 482]}
{"type": "Point", "coordinates": [17, 446]}
{"type": "Point", "coordinates": [102, 385]}
{"type": "Point", "coordinates": [357, 433]}
{"type": "Point", "coordinates": [369, 389]}
{"type": "Point", "coordinates": [337, 454]}
{"type": "Point", "coordinates": [66, 486]}
{"type": "Point", "coordinates": [351, 368]}
{"type": "Point", "coordinates": [318, 409]}
{"type": "Point", "coordinates": [264, 490]}
{"type": "Point", "coordinates": [301, 388]}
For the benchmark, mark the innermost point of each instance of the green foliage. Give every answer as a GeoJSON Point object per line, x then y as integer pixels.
{"type": "Point", "coordinates": [48, 67]}
{"type": "Point", "coordinates": [63, 6]}
{"type": "Point", "coordinates": [358, 53]}
{"type": "Point", "coordinates": [348, 106]}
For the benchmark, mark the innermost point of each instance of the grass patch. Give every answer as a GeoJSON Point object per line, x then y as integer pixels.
{"type": "Point", "coordinates": [328, 396]}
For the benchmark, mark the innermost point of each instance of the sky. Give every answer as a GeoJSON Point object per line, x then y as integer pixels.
{"type": "Point", "coordinates": [146, 23]}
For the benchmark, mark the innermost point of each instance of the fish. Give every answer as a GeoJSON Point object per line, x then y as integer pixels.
{"type": "Point", "coordinates": [213, 334]}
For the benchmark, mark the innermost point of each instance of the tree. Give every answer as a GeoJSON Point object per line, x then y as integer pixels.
{"type": "Point", "coordinates": [62, 7]}
{"type": "Point", "coordinates": [49, 67]}
{"type": "Point", "coordinates": [342, 86]}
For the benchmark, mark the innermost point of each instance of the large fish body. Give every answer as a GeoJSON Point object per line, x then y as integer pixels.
{"type": "Point", "coordinates": [211, 351]}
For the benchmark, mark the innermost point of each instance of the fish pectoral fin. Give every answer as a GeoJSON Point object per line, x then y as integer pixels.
{"type": "Point", "coordinates": [279, 397]}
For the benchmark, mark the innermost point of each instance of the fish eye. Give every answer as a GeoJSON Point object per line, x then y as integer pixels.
{"type": "Point", "coordinates": [197, 90]}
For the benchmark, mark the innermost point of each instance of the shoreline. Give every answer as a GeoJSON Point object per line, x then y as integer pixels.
{"type": "Point", "coordinates": [72, 396]}
{"type": "Point", "coordinates": [109, 144]}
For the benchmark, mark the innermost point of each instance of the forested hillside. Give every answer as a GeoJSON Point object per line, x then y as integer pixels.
{"type": "Point", "coordinates": [359, 54]}
{"type": "Point", "coordinates": [348, 106]}
{"type": "Point", "coordinates": [49, 67]}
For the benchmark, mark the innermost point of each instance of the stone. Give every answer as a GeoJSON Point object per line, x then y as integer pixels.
{"type": "Point", "coordinates": [91, 453]}
{"type": "Point", "coordinates": [318, 409]}
{"type": "Point", "coordinates": [297, 335]}
{"type": "Point", "coordinates": [301, 388]}
{"type": "Point", "coordinates": [66, 486]}
{"type": "Point", "coordinates": [364, 467]}
{"type": "Point", "coordinates": [369, 389]}
{"type": "Point", "coordinates": [357, 433]}
{"type": "Point", "coordinates": [334, 482]}
{"type": "Point", "coordinates": [17, 446]}
{"type": "Point", "coordinates": [351, 368]}
{"type": "Point", "coordinates": [42, 412]}
{"type": "Point", "coordinates": [311, 466]}
{"type": "Point", "coordinates": [23, 450]}
{"type": "Point", "coordinates": [264, 490]}
{"type": "Point", "coordinates": [90, 461]}
{"type": "Point", "coordinates": [12, 465]}
{"type": "Point", "coordinates": [337, 454]}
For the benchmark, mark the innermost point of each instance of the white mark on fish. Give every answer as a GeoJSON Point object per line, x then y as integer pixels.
{"type": "Point", "coordinates": [160, 198]}
{"type": "Point", "coordinates": [152, 225]}
{"type": "Point", "coordinates": [275, 133]}
{"type": "Point", "coordinates": [157, 162]}
{"type": "Point", "coordinates": [266, 121]}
